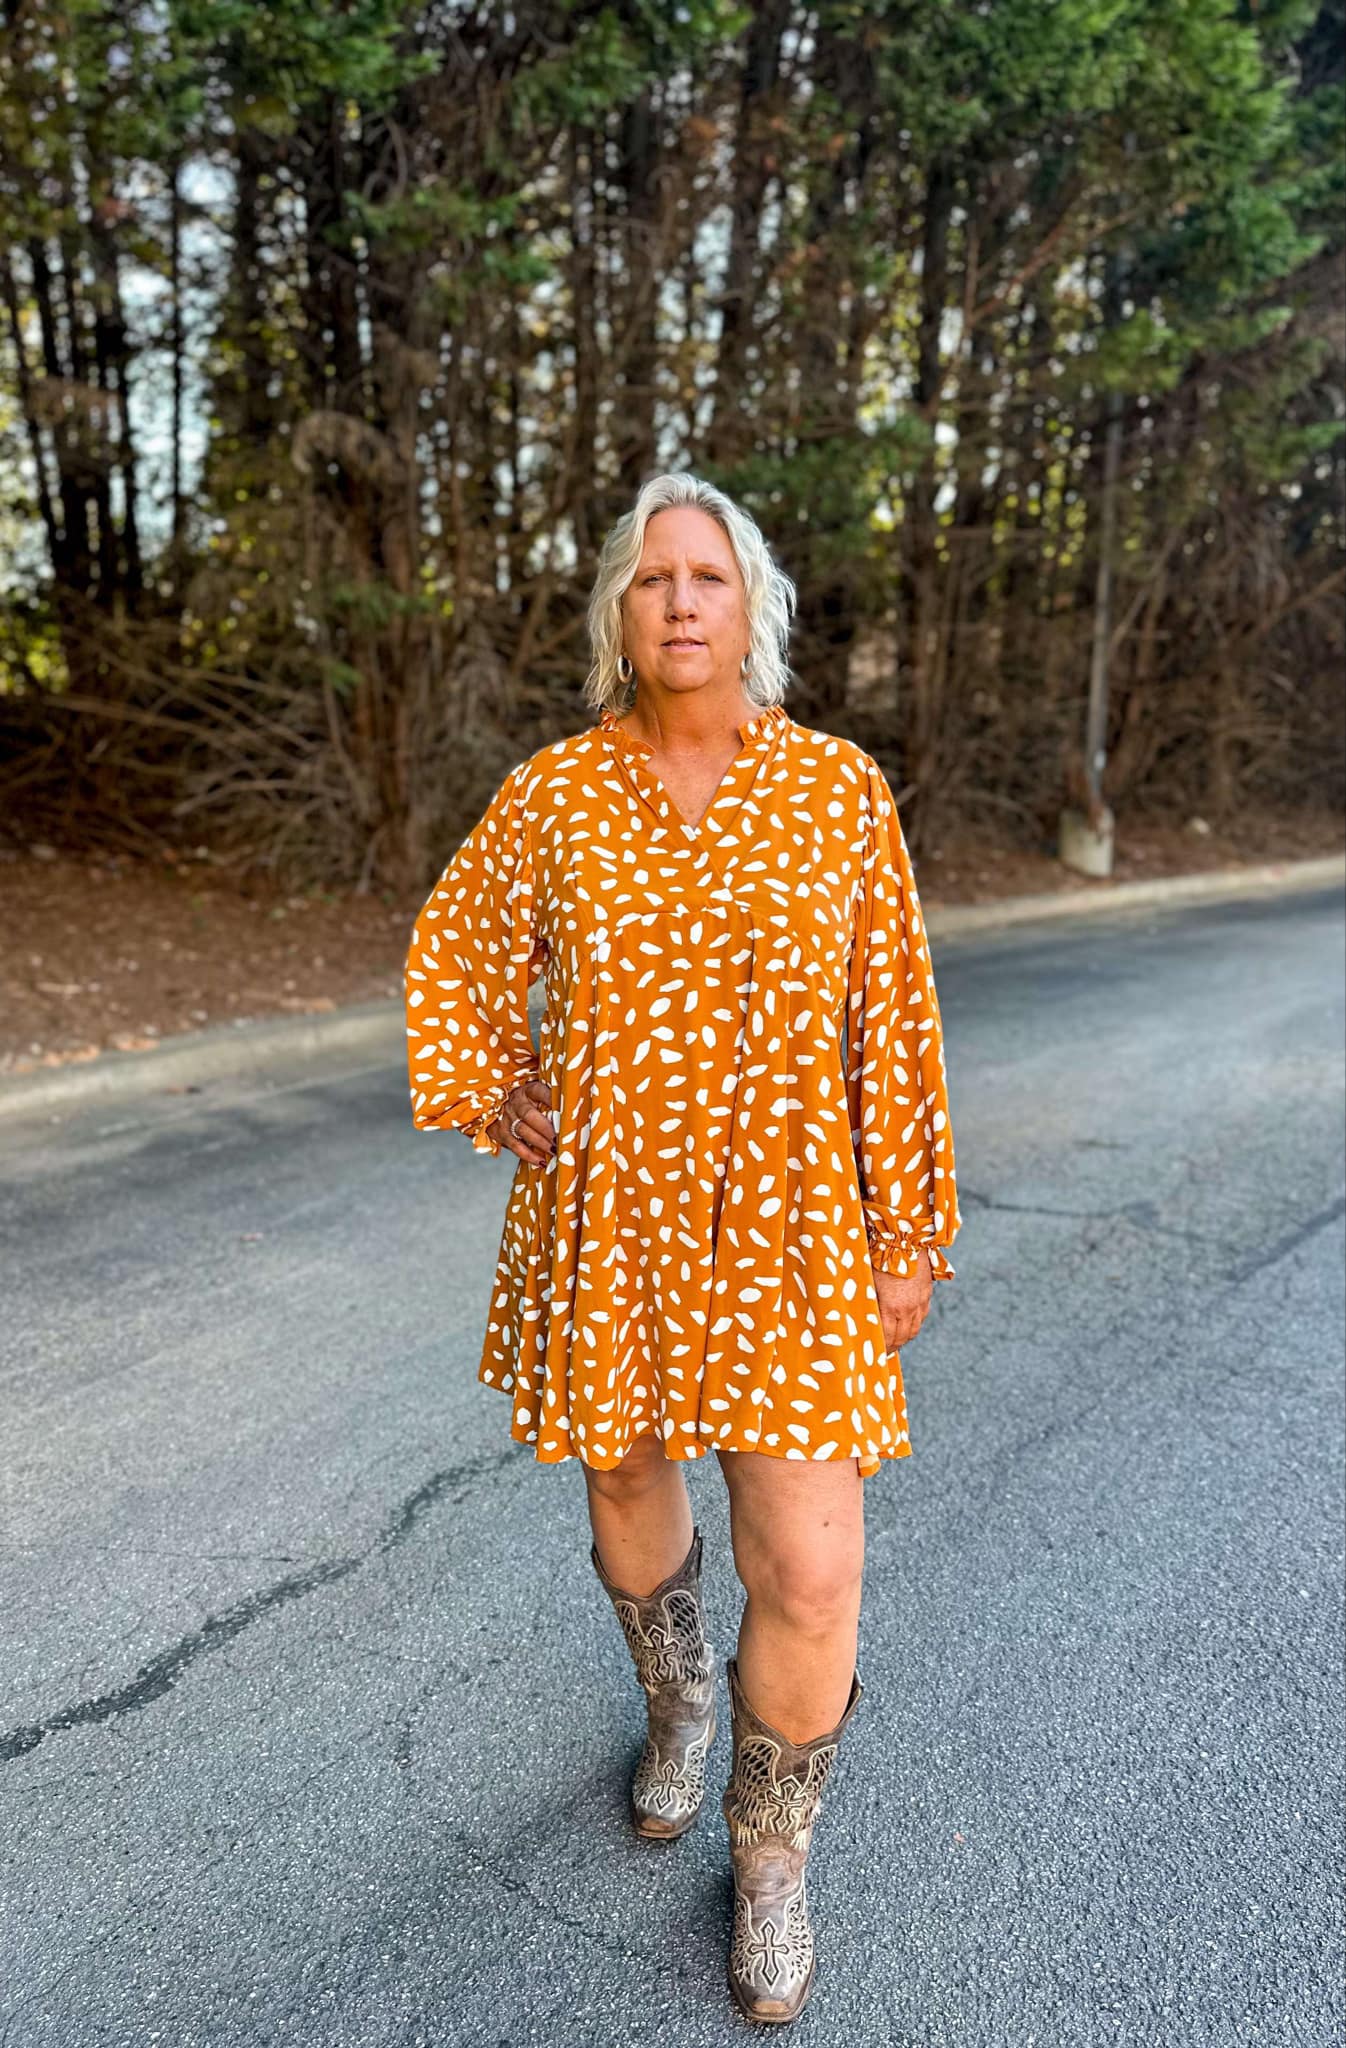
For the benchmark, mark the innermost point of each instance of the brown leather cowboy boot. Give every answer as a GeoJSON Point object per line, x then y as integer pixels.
{"type": "Point", "coordinates": [666, 1635]}
{"type": "Point", "coordinates": [770, 1804]}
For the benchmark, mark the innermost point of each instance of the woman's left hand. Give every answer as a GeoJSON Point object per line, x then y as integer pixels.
{"type": "Point", "coordinates": [904, 1301]}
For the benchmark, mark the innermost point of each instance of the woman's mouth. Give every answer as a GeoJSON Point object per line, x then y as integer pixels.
{"type": "Point", "coordinates": [684, 643]}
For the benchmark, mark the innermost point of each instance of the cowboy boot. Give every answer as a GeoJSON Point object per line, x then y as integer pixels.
{"type": "Point", "coordinates": [666, 1635]}
{"type": "Point", "coordinates": [770, 1804]}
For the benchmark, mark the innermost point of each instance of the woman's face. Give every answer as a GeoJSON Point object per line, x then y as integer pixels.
{"type": "Point", "coordinates": [684, 621]}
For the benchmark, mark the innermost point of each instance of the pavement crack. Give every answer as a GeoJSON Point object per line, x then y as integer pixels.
{"type": "Point", "coordinates": [507, 1881]}
{"type": "Point", "coordinates": [1272, 1254]}
{"type": "Point", "coordinates": [1144, 1213]}
{"type": "Point", "coordinates": [161, 1673]}
{"type": "Point", "coordinates": [1148, 1215]}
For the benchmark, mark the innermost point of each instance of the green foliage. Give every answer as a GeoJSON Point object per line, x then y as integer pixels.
{"type": "Point", "coordinates": [605, 57]}
{"type": "Point", "coordinates": [282, 59]}
{"type": "Point", "coordinates": [371, 606]}
{"type": "Point", "coordinates": [344, 679]}
{"type": "Point", "coordinates": [431, 289]}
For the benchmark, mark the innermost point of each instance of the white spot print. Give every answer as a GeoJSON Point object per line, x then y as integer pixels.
{"type": "Point", "coordinates": [743, 1045]}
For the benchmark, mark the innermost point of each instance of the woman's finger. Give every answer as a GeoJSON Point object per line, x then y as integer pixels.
{"type": "Point", "coordinates": [527, 1127]}
{"type": "Point", "coordinates": [535, 1110]}
{"type": "Point", "coordinates": [903, 1328]}
{"type": "Point", "coordinates": [535, 1122]}
{"type": "Point", "coordinates": [519, 1143]}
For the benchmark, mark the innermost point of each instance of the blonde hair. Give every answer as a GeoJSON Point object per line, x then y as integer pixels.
{"type": "Point", "coordinates": [768, 593]}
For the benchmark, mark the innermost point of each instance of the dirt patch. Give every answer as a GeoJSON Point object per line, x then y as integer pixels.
{"type": "Point", "coordinates": [115, 954]}
{"type": "Point", "coordinates": [103, 954]}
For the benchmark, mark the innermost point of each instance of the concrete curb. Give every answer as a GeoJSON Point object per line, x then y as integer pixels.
{"type": "Point", "coordinates": [1277, 876]}
{"type": "Point", "coordinates": [376, 1031]}
{"type": "Point", "coordinates": [255, 1047]}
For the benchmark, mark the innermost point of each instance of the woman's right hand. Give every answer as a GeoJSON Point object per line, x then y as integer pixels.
{"type": "Point", "coordinates": [528, 1108]}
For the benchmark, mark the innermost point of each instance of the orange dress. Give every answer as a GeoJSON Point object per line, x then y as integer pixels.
{"type": "Point", "coordinates": [694, 1260]}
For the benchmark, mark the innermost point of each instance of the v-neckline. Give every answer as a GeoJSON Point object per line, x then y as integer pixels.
{"type": "Point", "coordinates": [751, 730]}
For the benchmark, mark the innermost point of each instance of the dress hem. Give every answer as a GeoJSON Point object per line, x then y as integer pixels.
{"type": "Point", "coordinates": [686, 1454]}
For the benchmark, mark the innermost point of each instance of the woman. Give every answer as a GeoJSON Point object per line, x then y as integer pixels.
{"type": "Point", "coordinates": [723, 1228]}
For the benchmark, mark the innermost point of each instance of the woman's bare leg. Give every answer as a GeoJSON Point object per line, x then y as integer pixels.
{"type": "Point", "coordinates": [641, 1516]}
{"type": "Point", "coordinates": [799, 1540]}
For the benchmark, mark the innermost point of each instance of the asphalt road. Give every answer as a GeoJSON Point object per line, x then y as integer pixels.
{"type": "Point", "coordinates": [316, 1725]}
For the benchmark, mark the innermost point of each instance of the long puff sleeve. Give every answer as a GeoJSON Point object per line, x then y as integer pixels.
{"type": "Point", "coordinates": [468, 968]}
{"type": "Point", "coordinates": [895, 1079]}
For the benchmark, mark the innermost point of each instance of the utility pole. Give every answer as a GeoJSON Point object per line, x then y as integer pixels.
{"type": "Point", "coordinates": [1085, 834]}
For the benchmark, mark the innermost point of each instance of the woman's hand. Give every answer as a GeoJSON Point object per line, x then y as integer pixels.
{"type": "Point", "coordinates": [904, 1301]}
{"type": "Point", "coordinates": [529, 1107]}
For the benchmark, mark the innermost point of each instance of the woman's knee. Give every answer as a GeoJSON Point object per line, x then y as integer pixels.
{"type": "Point", "coordinates": [808, 1577]}
{"type": "Point", "coordinates": [810, 1596]}
{"type": "Point", "coordinates": [644, 1467]}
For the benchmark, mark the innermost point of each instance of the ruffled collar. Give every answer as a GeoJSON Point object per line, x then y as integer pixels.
{"type": "Point", "coordinates": [771, 718]}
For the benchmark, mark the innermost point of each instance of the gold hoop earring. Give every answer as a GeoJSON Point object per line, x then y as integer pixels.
{"type": "Point", "coordinates": [626, 672]}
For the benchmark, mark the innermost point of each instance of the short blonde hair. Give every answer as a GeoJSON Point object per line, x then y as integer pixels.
{"type": "Point", "coordinates": [769, 594]}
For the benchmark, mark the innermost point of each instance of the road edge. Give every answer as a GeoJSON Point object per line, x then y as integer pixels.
{"type": "Point", "coordinates": [253, 1046]}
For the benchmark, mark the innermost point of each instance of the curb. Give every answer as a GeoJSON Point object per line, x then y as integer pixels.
{"type": "Point", "coordinates": [257, 1047]}
{"type": "Point", "coordinates": [1275, 876]}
